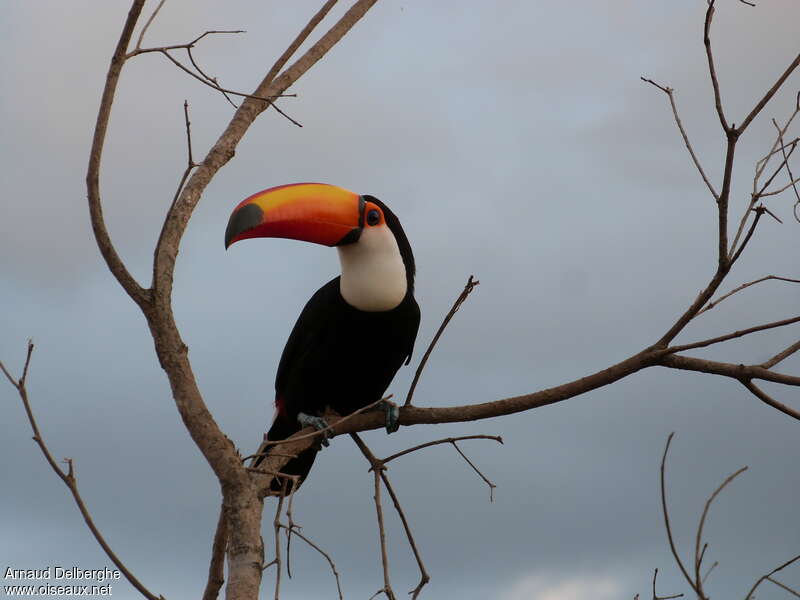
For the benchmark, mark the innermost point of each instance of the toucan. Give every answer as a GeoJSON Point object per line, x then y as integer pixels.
{"type": "Point", "coordinates": [358, 329]}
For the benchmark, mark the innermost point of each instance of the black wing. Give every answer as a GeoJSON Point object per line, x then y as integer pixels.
{"type": "Point", "coordinates": [309, 330]}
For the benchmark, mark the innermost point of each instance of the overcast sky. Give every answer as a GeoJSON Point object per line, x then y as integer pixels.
{"type": "Point", "coordinates": [516, 142]}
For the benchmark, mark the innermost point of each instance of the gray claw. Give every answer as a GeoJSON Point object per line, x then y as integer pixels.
{"type": "Point", "coordinates": [317, 423]}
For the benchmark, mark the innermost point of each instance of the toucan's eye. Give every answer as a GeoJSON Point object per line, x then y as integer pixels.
{"type": "Point", "coordinates": [373, 217]}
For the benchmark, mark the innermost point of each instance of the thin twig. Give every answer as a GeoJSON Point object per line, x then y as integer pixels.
{"type": "Point", "coordinates": [711, 69]}
{"type": "Point", "coordinates": [712, 304]}
{"type": "Point", "coordinates": [770, 93]}
{"type": "Point", "coordinates": [448, 440]}
{"type": "Point", "coordinates": [711, 568]}
{"type": "Point", "coordinates": [68, 477]}
{"type": "Point", "coordinates": [477, 470]}
{"type": "Point", "coordinates": [655, 595]}
{"type": "Point", "coordinates": [212, 85]}
{"type": "Point", "coordinates": [767, 399]}
{"type": "Point", "coordinates": [786, 161]}
{"type": "Point", "coordinates": [456, 305]}
{"type": "Point", "coordinates": [377, 467]}
{"type": "Point", "coordinates": [736, 253]}
{"type": "Point", "coordinates": [785, 587]}
{"type": "Point", "coordinates": [293, 531]}
{"type": "Point", "coordinates": [731, 336]}
{"type": "Point", "coordinates": [781, 356]}
{"type": "Point", "coordinates": [387, 586]}
{"type": "Point", "coordinates": [147, 24]}
{"type": "Point", "coordinates": [276, 524]}
{"type": "Point", "coordinates": [424, 578]}
{"type": "Point", "coordinates": [666, 519]}
{"type": "Point", "coordinates": [761, 165]}
{"type": "Point", "coordinates": [769, 575]}
{"type": "Point", "coordinates": [187, 171]}
{"type": "Point", "coordinates": [699, 538]}
{"type": "Point", "coordinates": [670, 94]}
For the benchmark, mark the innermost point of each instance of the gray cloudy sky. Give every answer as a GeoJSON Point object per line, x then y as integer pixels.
{"type": "Point", "coordinates": [516, 142]}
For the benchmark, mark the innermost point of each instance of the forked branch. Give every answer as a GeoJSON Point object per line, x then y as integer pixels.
{"type": "Point", "coordinates": [68, 476]}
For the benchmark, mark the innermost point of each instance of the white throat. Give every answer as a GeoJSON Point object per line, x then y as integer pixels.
{"type": "Point", "coordinates": [373, 273]}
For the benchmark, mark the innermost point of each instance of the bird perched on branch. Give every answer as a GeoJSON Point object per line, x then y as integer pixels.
{"type": "Point", "coordinates": [358, 329]}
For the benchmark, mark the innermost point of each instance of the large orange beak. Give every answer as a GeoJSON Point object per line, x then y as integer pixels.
{"type": "Point", "coordinates": [311, 212]}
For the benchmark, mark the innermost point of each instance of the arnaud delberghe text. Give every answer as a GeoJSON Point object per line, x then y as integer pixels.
{"type": "Point", "coordinates": [63, 573]}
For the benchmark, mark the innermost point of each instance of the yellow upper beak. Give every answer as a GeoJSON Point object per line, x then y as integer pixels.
{"type": "Point", "coordinates": [311, 212]}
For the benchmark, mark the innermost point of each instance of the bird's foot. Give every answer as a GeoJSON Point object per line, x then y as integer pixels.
{"type": "Point", "coordinates": [317, 423]}
{"type": "Point", "coordinates": [392, 413]}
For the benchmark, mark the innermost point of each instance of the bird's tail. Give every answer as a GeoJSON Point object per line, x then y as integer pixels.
{"type": "Point", "coordinates": [281, 429]}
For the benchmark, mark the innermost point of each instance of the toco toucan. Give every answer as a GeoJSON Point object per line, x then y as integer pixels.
{"type": "Point", "coordinates": [359, 328]}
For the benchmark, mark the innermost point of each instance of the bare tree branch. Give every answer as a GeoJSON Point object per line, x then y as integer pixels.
{"type": "Point", "coordinates": [781, 356]}
{"type": "Point", "coordinates": [792, 181]}
{"type": "Point", "coordinates": [655, 595]}
{"type": "Point", "coordinates": [712, 304]}
{"type": "Point", "coordinates": [734, 335]}
{"type": "Point", "coordinates": [698, 556]}
{"type": "Point", "coordinates": [785, 587]}
{"type": "Point", "coordinates": [477, 470]}
{"type": "Point", "coordinates": [69, 478]}
{"type": "Point", "coordinates": [768, 96]}
{"type": "Point", "coordinates": [113, 261]}
{"type": "Point", "coordinates": [667, 523]}
{"type": "Point", "coordinates": [449, 440]}
{"type": "Point", "coordinates": [216, 567]}
{"type": "Point", "coordinates": [147, 24]}
{"type": "Point", "coordinates": [769, 575]}
{"type": "Point", "coordinates": [293, 531]}
{"type": "Point", "coordinates": [767, 399]}
{"type": "Point", "coordinates": [670, 94]}
{"type": "Point", "coordinates": [456, 305]}
{"type": "Point", "coordinates": [734, 371]}
{"type": "Point", "coordinates": [711, 69]}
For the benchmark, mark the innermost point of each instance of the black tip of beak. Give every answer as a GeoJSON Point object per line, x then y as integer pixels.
{"type": "Point", "coordinates": [243, 219]}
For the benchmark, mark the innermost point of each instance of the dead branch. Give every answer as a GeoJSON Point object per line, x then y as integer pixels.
{"type": "Point", "coordinates": [670, 94]}
{"type": "Point", "coordinates": [769, 575]}
{"type": "Point", "coordinates": [667, 523]}
{"type": "Point", "coordinates": [107, 250]}
{"type": "Point", "coordinates": [655, 595]}
{"type": "Point", "coordinates": [292, 530]}
{"type": "Point", "coordinates": [448, 440]}
{"type": "Point", "coordinates": [714, 303]}
{"type": "Point", "coordinates": [477, 470]}
{"type": "Point", "coordinates": [770, 93]}
{"type": "Point", "coordinates": [783, 586]}
{"type": "Point", "coordinates": [148, 23]}
{"type": "Point", "coordinates": [698, 555]}
{"type": "Point", "coordinates": [711, 69]}
{"type": "Point", "coordinates": [456, 305]}
{"type": "Point", "coordinates": [276, 523]}
{"type": "Point", "coordinates": [781, 356]}
{"type": "Point", "coordinates": [216, 568]}
{"type": "Point", "coordinates": [734, 335]}
{"type": "Point", "coordinates": [424, 577]}
{"type": "Point", "coordinates": [792, 180]}
{"type": "Point", "coordinates": [377, 468]}
{"type": "Point", "coordinates": [767, 399]}
{"type": "Point", "coordinates": [68, 477]}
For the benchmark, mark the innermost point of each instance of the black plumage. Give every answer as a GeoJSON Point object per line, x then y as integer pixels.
{"type": "Point", "coordinates": [340, 356]}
